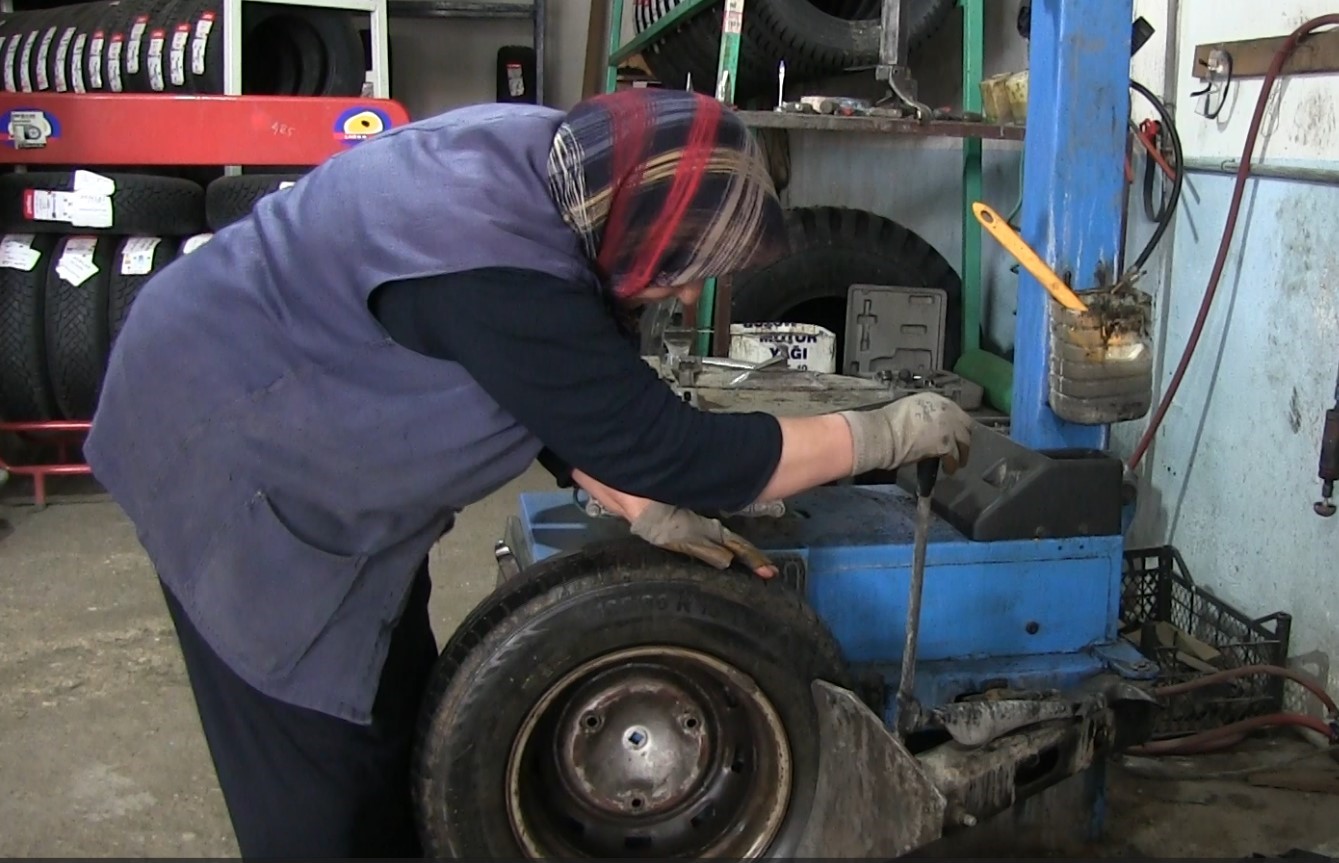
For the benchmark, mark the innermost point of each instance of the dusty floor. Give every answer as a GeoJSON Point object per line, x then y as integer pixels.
{"type": "Point", "coordinates": [101, 753]}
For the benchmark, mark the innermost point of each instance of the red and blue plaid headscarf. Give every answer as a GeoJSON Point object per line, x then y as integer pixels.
{"type": "Point", "coordinates": [664, 187]}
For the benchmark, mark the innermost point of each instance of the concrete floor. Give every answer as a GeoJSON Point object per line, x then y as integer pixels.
{"type": "Point", "coordinates": [101, 753]}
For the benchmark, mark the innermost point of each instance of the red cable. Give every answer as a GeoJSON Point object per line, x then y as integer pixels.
{"type": "Point", "coordinates": [1305, 680]}
{"type": "Point", "coordinates": [1243, 171]}
{"type": "Point", "coordinates": [1207, 741]}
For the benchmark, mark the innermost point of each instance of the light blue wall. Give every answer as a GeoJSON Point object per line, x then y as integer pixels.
{"type": "Point", "coordinates": [1233, 474]}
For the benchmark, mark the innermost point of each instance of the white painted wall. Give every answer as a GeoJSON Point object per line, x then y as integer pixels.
{"type": "Point", "coordinates": [1232, 476]}
{"type": "Point", "coordinates": [1301, 127]}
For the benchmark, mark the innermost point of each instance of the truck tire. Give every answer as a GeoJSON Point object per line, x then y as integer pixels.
{"type": "Point", "coordinates": [296, 51]}
{"type": "Point", "coordinates": [25, 392]}
{"type": "Point", "coordinates": [814, 37]}
{"type": "Point", "coordinates": [141, 204]}
{"type": "Point", "coordinates": [832, 248]}
{"type": "Point", "coordinates": [230, 199]}
{"type": "Point", "coordinates": [76, 325]}
{"type": "Point", "coordinates": [733, 654]}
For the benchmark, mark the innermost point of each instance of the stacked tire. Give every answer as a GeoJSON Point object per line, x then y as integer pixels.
{"type": "Point", "coordinates": [813, 37]}
{"type": "Point", "coordinates": [231, 199]}
{"type": "Point", "coordinates": [832, 248]}
{"type": "Point", "coordinates": [176, 46]}
{"type": "Point", "coordinates": [77, 247]}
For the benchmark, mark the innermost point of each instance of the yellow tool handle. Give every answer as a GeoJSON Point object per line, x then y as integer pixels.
{"type": "Point", "coordinates": [998, 228]}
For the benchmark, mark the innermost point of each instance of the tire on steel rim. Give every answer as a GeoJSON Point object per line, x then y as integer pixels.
{"type": "Point", "coordinates": [624, 701]}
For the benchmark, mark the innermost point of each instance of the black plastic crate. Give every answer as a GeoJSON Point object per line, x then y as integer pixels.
{"type": "Point", "coordinates": [1156, 586]}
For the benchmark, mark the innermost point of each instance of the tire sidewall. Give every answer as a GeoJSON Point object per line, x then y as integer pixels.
{"type": "Point", "coordinates": [829, 252]}
{"type": "Point", "coordinates": [463, 764]}
{"type": "Point", "coordinates": [856, 39]}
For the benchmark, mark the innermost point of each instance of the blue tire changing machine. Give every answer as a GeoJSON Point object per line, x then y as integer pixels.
{"type": "Point", "coordinates": [1024, 564]}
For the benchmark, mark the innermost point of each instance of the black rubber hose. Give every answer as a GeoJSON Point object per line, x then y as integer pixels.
{"type": "Point", "coordinates": [1169, 211]}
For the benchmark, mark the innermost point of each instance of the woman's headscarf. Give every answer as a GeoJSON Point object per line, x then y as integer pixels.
{"type": "Point", "coordinates": [664, 187]}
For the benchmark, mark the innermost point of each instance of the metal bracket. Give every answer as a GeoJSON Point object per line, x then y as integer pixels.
{"type": "Point", "coordinates": [873, 798]}
{"type": "Point", "coordinates": [892, 44]}
{"type": "Point", "coordinates": [1125, 659]}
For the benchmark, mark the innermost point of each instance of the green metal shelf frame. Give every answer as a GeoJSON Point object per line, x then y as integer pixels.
{"type": "Point", "coordinates": [975, 362]}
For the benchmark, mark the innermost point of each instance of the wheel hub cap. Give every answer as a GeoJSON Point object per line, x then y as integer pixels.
{"type": "Point", "coordinates": [633, 743]}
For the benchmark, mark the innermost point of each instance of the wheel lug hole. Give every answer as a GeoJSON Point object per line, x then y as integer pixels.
{"type": "Point", "coordinates": [691, 722]}
{"type": "Point", "coordinates": [637, 803]}
{"type": "Point", "coordinates": [592, 722]}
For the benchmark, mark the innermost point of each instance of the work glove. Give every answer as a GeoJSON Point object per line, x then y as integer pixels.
{"type": "Point", "coordinates": [909, 430]}
{"type": "Point", "coordinates": [685, 532]}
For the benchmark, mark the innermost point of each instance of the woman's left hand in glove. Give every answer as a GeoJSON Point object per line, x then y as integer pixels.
{"type": "Point", "coordinates": [684, 531]}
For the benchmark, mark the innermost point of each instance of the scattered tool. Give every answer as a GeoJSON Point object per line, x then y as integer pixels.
{"type": "Point", "coordinates": [923, 112]}
{"type": "Point", "coordinates": [998, 228]}
{"type": "Point", "coordinates": [959, 116]}
{"type": "Point", "coordinates": [780, 84]}
{"type": "Point", "coordinates": [908, 708]}
{"type": "Point", "coordinates": [779, 359]}
{"type": "Point", "coordinates": [839, 106]}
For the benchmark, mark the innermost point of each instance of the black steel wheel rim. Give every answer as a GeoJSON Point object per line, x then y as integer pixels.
{"type": "Point", "coordinates": [650, 752]}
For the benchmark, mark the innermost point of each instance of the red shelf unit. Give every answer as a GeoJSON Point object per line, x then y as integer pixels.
{"type": "Point", "coordinates": [88, 131]}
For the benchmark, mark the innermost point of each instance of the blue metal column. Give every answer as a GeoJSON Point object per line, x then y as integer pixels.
{"type": "Point", "coordinates": [1078, 110]}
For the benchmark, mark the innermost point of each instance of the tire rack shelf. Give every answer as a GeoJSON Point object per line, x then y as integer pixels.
{"type": "Point", "coordinates": [535, 10]}
{"type": "Point", "coordinates": [144, 130]}
{"type": "Point", "coordinates": [972, 133]}
{"type": "Point", "coordinates": [881, 125]}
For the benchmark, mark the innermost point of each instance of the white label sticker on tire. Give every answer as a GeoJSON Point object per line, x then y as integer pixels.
{"type": "Point", "coordinates": [80, 209]}
{"type": "Point", "coordinates": [114, 62]}
{"type": "Point", "coordinates": [25, 80]}
{"type": "Point", "coordinates": [17, 252]}
{"type": "Point", "coordinates": [62, 59]}
{"type": "Point", "coordinates": [77, 67]}
{"type": "Point", "coordinates": [137, 255]}
{"type": "Point", "coordinates": [95, 61]}
{"type": "Point", "coordinates": [90, 183]}
{"type": "Point", "coordinates": [43, 52]}
{"type": "Point", "coordinates": [200, 43]}
{"type": "Point", "coordinates": [132, 46]}
{"type": "Point", "coordinates": [177, 57]}
{"type": "Point", "coordinates": [76, 260]}
{"type": "Point", "coordinates": [156, 60]}
{"type": "Point", "coordinates": [195, 242]}
{"type": "Point", "coordinates": [11, 50]}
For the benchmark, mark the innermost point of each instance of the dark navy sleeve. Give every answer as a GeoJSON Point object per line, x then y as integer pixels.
{"type": "Point", "coordinates": [550, 353]}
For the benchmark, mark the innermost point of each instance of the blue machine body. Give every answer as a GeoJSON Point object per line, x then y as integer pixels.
{"type": "Point", "coordinates": [1030, 614]}
{"type": "Point", "coordinates": [1027, 614]}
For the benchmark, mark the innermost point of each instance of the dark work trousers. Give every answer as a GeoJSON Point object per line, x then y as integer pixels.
{"type": "Point", "coordinates": [299, 783]}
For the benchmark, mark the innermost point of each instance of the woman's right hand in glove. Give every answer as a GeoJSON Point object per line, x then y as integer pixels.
{"type": "Point", "coordinates": [909, 430]}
